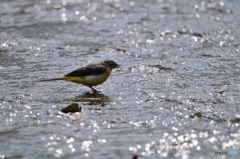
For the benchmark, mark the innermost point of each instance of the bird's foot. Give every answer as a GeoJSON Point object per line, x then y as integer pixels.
{"type": "Point", "coordinates": [94, 90]}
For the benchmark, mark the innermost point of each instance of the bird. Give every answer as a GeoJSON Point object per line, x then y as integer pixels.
{"type": "Point", "coordinates": [91, 75]}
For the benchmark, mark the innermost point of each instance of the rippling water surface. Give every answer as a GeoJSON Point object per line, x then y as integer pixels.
{"type": "Point", "coordinates": [177, 95]}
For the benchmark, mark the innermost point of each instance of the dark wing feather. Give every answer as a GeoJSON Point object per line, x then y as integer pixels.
{"type": "Point", "coordinates": [85, 71]}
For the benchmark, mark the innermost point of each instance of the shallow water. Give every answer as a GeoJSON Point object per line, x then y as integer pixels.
{"type": "Point", "coordinates": [177, 95]}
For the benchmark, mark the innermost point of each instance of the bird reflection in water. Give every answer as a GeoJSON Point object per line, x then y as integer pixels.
{"type": "Point", "coordinates": [96, 98]}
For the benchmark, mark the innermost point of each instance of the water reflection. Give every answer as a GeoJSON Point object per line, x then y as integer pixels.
{"type": "Point", "coordinates": [90, 99]}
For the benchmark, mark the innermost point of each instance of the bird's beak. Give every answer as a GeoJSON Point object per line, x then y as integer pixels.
{"type": "Point", "coordinates": [118, 66]}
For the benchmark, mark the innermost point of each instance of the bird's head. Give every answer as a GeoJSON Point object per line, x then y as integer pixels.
{"type": "Point", "coordinates": [110, 64]}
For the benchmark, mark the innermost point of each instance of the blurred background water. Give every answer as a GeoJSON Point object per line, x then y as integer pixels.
{"type": "Point", "coordinates": [176, 97]}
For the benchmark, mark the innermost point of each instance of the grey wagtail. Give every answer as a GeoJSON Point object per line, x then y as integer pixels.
{"type": "Point", "coordinates": [92, 75]}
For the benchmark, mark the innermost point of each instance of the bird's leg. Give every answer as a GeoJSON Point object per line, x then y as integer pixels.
{"type": "Point", "coordinates": [94, 90]}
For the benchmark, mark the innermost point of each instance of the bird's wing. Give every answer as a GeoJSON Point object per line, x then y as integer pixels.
{"type": "Point", "coordinates": [89, 70]}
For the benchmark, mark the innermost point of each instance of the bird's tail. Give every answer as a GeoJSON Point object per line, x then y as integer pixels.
{"type": "Point", "coordinates": [53, 79]}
